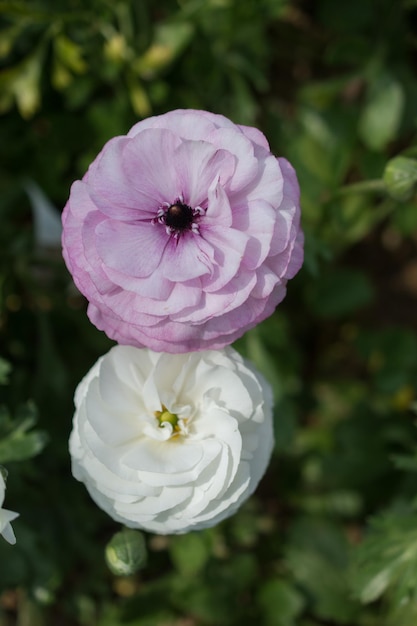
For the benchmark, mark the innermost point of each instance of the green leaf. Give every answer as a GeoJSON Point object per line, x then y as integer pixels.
{"type": "Point", "coordinates": [405, 218]}
{"type": "Point", "coordinates": [138, 96]}
{"type": "Point", "coordinates": [280, 602]}
{"type": "Point", "coordinates": [258, 353]}
{"type": "Point", "coordinates": [70, 54]}
{"type": "Point", "coordinates": [387, 560]}
{"type": "Point", "coordinates": [22, 83]}
{"type": "Point", "coordinates": [381, 115]}
{"type": "Point", "coordinates": [391, 356]}
{"type": "Point", "coordinates": [404, 614]}
{"type": "Point", "coordinates": [20, 446]}
{"type": "Point", "coordinates": [341, 292]}
{"type": "Point", "coordinates": [190, 553]}
{"type": "Point", "coordinates": [126, 552]}
{"type": "Point", "coordinates": [317, 554]}
{"type": "Point", "coordinates": [5, 369]}
{"type": "Point", "coordinates": [213, 596]}
{"type": "Point", "coordinates": [400, 177]}
{"type": "Point", "coordinates": [169, 41]}
{"type": "Point", "coordinates": [17, 444]}
{"type": "Point", "coordinates": [8, 38]}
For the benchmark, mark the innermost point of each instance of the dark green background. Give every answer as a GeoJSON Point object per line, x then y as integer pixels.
{"type": "Point", "coordinates": [330, 537]}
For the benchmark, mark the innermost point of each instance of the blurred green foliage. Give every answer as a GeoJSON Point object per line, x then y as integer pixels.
{"type": "Point", "coordinates": [330, 536]}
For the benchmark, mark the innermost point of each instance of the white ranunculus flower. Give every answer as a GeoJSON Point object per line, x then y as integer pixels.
{"type": "Point", "coordinates": [6, 516]}
{"type": "Point", "coordinates": [171, 442]}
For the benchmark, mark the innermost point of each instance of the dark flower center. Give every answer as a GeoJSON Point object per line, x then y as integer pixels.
{"type": "Point", "coordinates": [179, 216]}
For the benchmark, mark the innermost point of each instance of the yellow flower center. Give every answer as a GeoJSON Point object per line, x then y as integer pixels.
{"type": "Point", "coordinates": [166, 416]}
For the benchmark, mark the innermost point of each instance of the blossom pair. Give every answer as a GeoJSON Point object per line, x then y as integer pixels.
{"type": "Point", "coordinates": [182, 235]}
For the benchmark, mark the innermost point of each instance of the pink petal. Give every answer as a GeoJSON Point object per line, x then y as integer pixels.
{"type": "Point", "coordinates": [80, 256]}
{"type": "Point", "coordinates": [266, 280]}
{"type": "Point", "coordinates": [236, 143]}
{"type": "Point", "coordinates": [257, 221]}
{"type": "Point", "coordinates": [94, 266]}
{"type": "Point", "coordinates": [297, 256]}
{"type": "Point", "coordinates": [229, 247]}
{"type": "Point", "coordinates": [148, 161]}
{"type": "Point", "coordinates": [219, 302]}
{"type": "Point", "coordinates": [198, 164]}
{"type": "Point", "coordinates": [291, 186]}
{"type": "Point", "coordinates": [133, 249]}
{"type": "Point", "coordinates": [282, 228]}
{"type": "Point", "coordinates": [188, 124]}
{"type": "Point", "coordinates": [218, 211]}
{"type": "Point", "coordinates": [184, 259]}
{"type": "Point", "coordinates": [267, 186]}
{"type": "Point", "coordinates": [183, 295]}
{"type": "Point", "coordinates": [107, 318]}
{"type": "Point", "coordinates": [111, 189]}
{"type": "Point", "coordinates": [154, 286]}
{"type": "Point", "coordinates": [255, 136]}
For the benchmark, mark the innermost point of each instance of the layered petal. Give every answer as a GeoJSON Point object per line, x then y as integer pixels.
{"type": "Point", "coordinates": [183, 233]}
{"type": "Point", "coordinates": [187, 476]}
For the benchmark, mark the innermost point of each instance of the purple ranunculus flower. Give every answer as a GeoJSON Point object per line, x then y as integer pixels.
{"type": "Point", "coordinates": [183, 233]}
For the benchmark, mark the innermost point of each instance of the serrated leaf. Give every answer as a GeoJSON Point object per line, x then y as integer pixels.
{"type": "Point", "coordinates": [387, 560]}
{"type": "Point", "coordinates": [16, 443]}
{"type": "Point", "coordinates": [20, 446]}
{"type": "Point", "coordinates": [23, 448]}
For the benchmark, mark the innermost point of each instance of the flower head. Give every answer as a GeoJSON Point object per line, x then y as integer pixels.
{"type": "Point", "coordinates": [183, 233]}
{"type": "Point", "coordinates": [6, 516]}
{"type": "Point", "coordinates": [171, 443]}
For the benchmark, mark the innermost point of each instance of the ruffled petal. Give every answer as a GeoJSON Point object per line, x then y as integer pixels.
{"type": "Point", "coordinates": [112, 191]}
{"type": "Point", "coordinates": [185, 258]}
{"type": "Point", "coordinates": [143, 245]}
{"type": "Point", "coordinates": [187, 480]}
{"type": "Point", "coordinates": [198, 164]}
{"type": "Point", "coordinates": [148, 162]}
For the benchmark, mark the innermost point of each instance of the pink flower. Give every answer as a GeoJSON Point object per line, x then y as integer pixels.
{"type": "Point", "coordinates": [183, 233]}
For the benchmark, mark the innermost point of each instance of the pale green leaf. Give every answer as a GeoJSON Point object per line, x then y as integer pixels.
{"type": "Point", "coordinates": [381, 115]}
{"type": "Point", "coordinates": [387, 560]}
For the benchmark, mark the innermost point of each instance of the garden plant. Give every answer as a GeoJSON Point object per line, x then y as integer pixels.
{"type": "Point", "coordinates": [208, 305]}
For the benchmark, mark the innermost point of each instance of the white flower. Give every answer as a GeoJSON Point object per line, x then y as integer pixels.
{"type": "Point", "coordinates": [6, 516]}
{"type": "Point", "coordinates": [171, 443]}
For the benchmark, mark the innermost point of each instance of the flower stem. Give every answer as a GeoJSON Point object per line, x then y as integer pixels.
{"type": "Point", "coordinates": [365, 186]}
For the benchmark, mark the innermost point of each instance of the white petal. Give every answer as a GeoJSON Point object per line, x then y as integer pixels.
{"type": "Point", "coordinates": [5, 527]}
{"type": "Point", "coordinates": [145, 476]}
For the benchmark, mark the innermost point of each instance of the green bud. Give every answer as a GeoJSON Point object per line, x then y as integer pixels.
{"type": "Point", "coordinates": [126, 552]}
{"type": "Point", "coordinates": [166, 416]}
{"type": "Point", "coordinates": [171, 418]}
{"type": "Point", "coordinates": [400, 177]}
